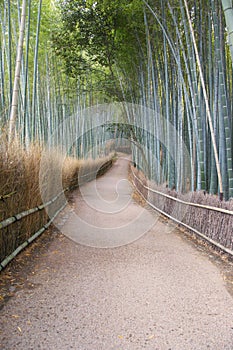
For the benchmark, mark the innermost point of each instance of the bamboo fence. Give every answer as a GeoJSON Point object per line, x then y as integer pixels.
{"type": "Point", "coordinates": [213, 224]}
{"type": "Point", "coordinates": [83, 178]}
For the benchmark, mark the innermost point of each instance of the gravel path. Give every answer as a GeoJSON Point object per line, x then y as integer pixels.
{"type": "Point", "coordinates": [157, 293]}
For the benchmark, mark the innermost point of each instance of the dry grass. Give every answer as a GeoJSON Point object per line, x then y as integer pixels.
{"type": "Point", "coordinates": [20, 178]}
{"type": "Point", "coordinates": [79, 171]}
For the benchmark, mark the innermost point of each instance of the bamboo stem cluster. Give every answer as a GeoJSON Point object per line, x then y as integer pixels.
{"type": "Point", "coordinates": [186, 77]}
{"type": "Point", "coordinates": [40, 103]}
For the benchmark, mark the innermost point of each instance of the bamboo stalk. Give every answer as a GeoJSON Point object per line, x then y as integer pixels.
{"type": "Point", "coordinates": [15, 94]}
{"type": "Point", "coordinates": [228, 12]}
{"type": "Point", "coordinates": [208, 113]}
{"type": "Point", "coordinates": [35, 101]}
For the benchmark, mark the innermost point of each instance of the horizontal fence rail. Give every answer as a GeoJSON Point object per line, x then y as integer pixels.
{"type": "Point", "coordinates": [226, 212]}
{"type": "Point", "coordinates": [17, 217]}
{"type": "Point", "coordinates": [29, 240]}
{"type": "Point", "coordinates": [3, 198]}
{"type": "Point", "coordinates": [20, 216]}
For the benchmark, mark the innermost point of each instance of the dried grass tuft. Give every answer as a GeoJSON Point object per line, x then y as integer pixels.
{"type": "Point", "coordinates": [20, 187]}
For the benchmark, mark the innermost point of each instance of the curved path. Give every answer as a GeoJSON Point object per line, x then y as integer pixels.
{"type": "Point", "coordinates": [157, 293]}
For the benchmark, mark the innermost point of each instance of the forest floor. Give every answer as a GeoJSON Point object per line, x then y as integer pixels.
{"type": "Point", "coordinates": [158, 290]}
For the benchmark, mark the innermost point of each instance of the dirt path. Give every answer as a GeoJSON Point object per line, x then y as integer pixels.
{"type": "Point", "coordinates": [158, 292]}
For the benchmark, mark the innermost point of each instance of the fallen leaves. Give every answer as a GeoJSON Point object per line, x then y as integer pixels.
{"type": "Point", "coordinates": [151, 337]}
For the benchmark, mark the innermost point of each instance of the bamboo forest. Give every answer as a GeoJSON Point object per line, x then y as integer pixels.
{"type": "Point", "coordinates": [116, 174]}
{"type": "Point", "coordinates": [81, 78]}
{"type": "Point", "coordinates": [171, 56]}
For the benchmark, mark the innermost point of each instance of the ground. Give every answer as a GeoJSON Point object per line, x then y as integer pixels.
{"type": "Point", "coordinates": [166, 290]}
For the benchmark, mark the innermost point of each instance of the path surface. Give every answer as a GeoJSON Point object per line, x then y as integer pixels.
{"type": "Point", "coordinates": [157, 293]}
